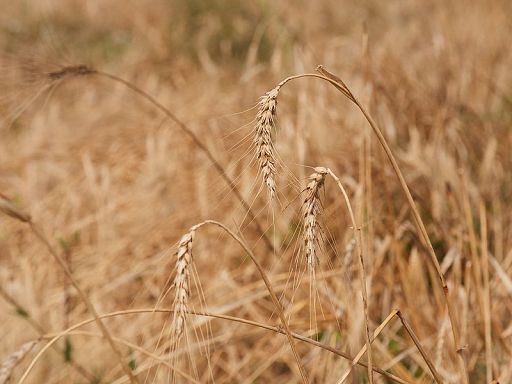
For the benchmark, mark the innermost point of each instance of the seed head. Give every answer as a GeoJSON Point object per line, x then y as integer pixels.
{"type": "Point", "coordinates": [182, 281]}
{"type": "Point", "coordinates": [264, 146]}
{"type": "Point", "coordinates": [311, 209]}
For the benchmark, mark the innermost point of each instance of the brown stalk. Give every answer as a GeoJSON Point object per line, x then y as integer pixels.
{"type": "Point", "coordinates": [7, 207]}
{"type": "Point", "coordinates": [360, 354]}
{"type": "Point", "coordinates": [197, 141]}
{"type": "Point", "coordinates": [55, 337]}
{"type": "Point", "coordinates": [83, 70]}
{"type": "Point", "coordinates": [41, 331]}
{"type": "Point", "coordinates": [420, 226]}
{"type": "Point", "coordinates": [270, 289]}
{"type": "Point", "coordinates": [487, 294]}
{"type": "Point", "coordinates": [359, 246]}
{"type": "Point", "coordinates": [90, 307]}
{"type": "Point", "coordinates": [423, 353]}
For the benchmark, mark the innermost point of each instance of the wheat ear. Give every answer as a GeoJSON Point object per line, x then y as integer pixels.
{"type": "Point", "coordinates": [182, 282]}
{"type": "Point", "coordinates": [11, 361]}
{"type": "Point", "coordinates": [264, 146]}
{"type": "Point", "coordinates": [311, 209]}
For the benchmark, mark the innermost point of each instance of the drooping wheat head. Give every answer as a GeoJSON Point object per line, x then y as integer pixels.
{"type": "Point", "coordinates": [264, 146]}
{"type": "Point", "coordinates": [311, 209]}
{"type": "Point", "coordinates": [182, 281]}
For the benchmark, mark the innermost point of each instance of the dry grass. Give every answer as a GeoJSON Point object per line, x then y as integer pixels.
{"type": "Point", "coordinates": [163, 127]}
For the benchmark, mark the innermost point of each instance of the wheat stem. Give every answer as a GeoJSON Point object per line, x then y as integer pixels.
{"type": "Point", "coordinates": [279, 308]}
{"type": "Point", "coordinates": [8, 208]}
{"type": "Point", "coordinates": [359, 245]}
{"type": "Point", "coordinates": [56, 336]}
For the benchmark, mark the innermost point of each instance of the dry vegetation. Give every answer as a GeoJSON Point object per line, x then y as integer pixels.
{"type": "Point", "coordinates": [162, 222]}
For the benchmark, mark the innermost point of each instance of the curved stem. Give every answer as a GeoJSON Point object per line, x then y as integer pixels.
{"type": "Point", "coordinates": [201, 146]}
{"type": "Point", "coordinates": [359, 245]}
{"type": "Point", "coordinates": [41, 331]}
{"type": "Point", "coordinates": [420, 226]}
{"type": "Point", "coordinates": [273, 295]}
{"type": "Point", "coordinates": [90, 307]}
{"type": "Point", "coordinates": [56, 336]}
{"type": "Point", "coordinates": [131, 346]}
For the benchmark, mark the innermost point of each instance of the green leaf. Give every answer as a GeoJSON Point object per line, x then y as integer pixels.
{"type": "Point", "coordinates": [68, 350]}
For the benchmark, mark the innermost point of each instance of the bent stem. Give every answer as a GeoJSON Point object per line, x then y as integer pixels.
{"type": "Point", "coordinates": [423, 353]}
{"type": "Point", "coordinates": [197, 141]}
{"type": "Point", "coordinates": [360, 354]}
{"type": "Point", "coordinates": [271, 291]}
{"type": "Point", "coordinates": [11, 210]}
{"type": "Point", "coordinates": [83, 70]}
{"type": "Point", "coordinates": [420, 226]}
{"type": "Point", "coordinates": [25, 314]}
{"type": "Point", "coordinates": [416, 214]}
{"type": "Point", "coordinates": [359, 245]}
{"type": "Point", "coordinates": [408, 328]}
{"type": "Point", "coordinates": [90, 307]}
{"type": "Point", "coordinates": [56, 336]}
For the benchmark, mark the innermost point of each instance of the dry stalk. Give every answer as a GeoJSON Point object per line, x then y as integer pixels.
{"type": "Point", "coordinates": [341, 86]}
{"type": "Point", "coordinates": [264, 146]}
{"type": "Point", "coordinates": [487, 294]}
{"type": "Point", "coordinates": [197, 141]}
{"type": "Point", "coordinates": [311, 208]}
{"type": "Point", "coordinates": [22, 216]}
{"type": "Point", "coordinates": [8, 208]}
{"type": "Point", "coordinates": [68, 72]}
{"type": "Point", "coordinates": [56, 336]}
{"type": "Point", "coordinates": [184, 255]}
{"type": "Point", "coordinates": [14, 359]}
{"type": "Point", "coordinates": [359, 246]}
{"type": "Point", "coordinates": [24, 313]}
{"type": "Point", "coordinates": [360, 354]}
{"type": "Point", "coordinates": [420, 226]}
{"type": "Point", "coordinates": [423, 353]}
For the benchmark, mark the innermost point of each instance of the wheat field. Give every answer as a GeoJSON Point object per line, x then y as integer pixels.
{"type": "Point", "coordinates": [255, 192]}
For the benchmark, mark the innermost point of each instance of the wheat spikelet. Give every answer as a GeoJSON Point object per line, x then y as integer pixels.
{"type": "Point", "coordinates": [182, 281]}
{"type": "Point", "coordinates": [10, 209]}
{"type": "Point", "coordinates": [311, 209]}
{"type": "Point", "coordinates": [263, 139]}
{"type": "Point", "coordinates": [13, 360]}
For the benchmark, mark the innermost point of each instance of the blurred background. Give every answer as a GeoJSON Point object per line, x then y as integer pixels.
{"type": "Point", "coordinates": [114, 183]}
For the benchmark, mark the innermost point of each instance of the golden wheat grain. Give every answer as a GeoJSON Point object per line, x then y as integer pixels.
{"type": "Point", "coordinates": [311, 209]}
{"type": "Point", "coordinates": [263, 139]}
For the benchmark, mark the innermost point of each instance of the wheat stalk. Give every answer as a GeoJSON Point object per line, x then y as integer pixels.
{"type": "Point", "coordinates": [181, 283]}
{"type": "Point", "coordinates": [311, 209]}
{"type": "Point", "coordinates": [11, 361]}
{"type": "Point", "coordinates": [264, 146]}
{"type": "Point", "coordinates": [8, 208]}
